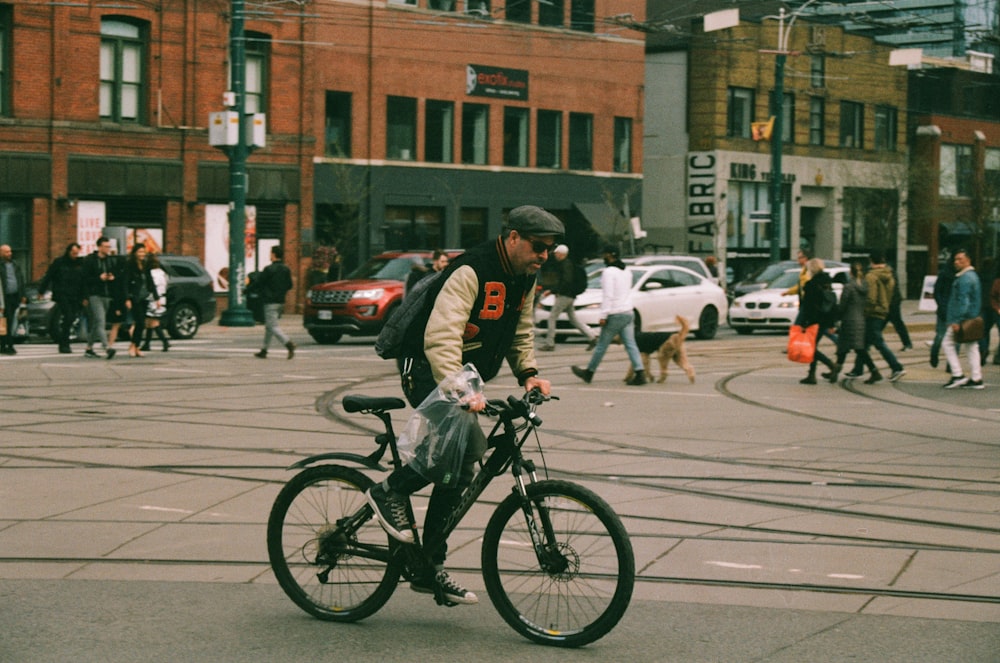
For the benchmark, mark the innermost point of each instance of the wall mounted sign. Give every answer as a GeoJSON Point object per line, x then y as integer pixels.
{"type": "Point", "coordinates": [484, 81]}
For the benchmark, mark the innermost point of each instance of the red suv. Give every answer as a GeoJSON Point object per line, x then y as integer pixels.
{"type": "Point", "coordinates": [360, 304]}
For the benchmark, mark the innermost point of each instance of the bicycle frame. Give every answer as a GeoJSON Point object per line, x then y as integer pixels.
{"type": "Point", "coordinates": [506, 453]}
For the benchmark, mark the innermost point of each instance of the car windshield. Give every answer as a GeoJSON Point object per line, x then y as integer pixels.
{"type": "Point", "coordinates": [392, 269]}
{"type": "Point", "coordinates": [786, 280]}
{"type": "Point", "coordinates": [768, 273]}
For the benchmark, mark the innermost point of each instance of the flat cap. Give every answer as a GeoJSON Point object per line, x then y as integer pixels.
{"type": "Point", "coordinates": [529, 220]}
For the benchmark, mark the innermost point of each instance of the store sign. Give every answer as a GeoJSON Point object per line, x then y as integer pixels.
{"type": "Point", "coordinates": [484, 81]}
{"type": "Point", "coordinates": [701, 206]}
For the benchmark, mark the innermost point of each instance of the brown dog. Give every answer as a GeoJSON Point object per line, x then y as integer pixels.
{"type": "Point", "coordinates": [666, 346]}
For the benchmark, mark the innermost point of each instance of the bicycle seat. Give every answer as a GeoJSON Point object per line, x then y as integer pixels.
{"type": "Point", "coordinates": [358, 403]}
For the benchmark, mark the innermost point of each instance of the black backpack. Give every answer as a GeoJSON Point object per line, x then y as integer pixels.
{"type": "Point", "coordinates": [404, 328]}
{"type": "Point", "coordinates": [578, 282]}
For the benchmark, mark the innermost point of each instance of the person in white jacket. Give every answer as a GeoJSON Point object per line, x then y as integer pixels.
{"type": "Point", "coordinates": [617, 318]}
{"type": "Point", "coordinates": [157, 306]}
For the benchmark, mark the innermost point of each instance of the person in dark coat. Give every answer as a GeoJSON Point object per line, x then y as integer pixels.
{"type": "Point", "coordinates": [275, 281]}
{"type": "Point", "coordinates": [812, 312]}
{"type": "Point", "coordinates": [942, 291]}
{"type": "Point", "coordinates": [65, 280]}
{"type": "Point", "coordinates": [851, 335]}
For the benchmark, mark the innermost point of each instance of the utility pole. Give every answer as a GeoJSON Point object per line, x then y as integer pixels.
{"type": "Point", "coordinates": [237, 314]}
{"type": "Point", "coordinates": [777, 108]}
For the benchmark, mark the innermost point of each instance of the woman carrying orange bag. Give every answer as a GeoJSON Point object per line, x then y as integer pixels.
{"type": "Point", "coordinates": [819, 310]}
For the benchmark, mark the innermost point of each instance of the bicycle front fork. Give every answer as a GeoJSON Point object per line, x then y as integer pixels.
{"type": "Point", "coordinates": [539, 522]}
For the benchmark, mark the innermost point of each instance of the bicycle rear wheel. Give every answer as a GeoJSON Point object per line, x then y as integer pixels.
{"type": "Point", "coordinates": [332, 568]}
{"type": "Point", "coordinates": [582, 585]}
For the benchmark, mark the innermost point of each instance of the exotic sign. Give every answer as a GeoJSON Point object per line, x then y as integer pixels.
{"type": "Point", "coordinates": [484, 81]}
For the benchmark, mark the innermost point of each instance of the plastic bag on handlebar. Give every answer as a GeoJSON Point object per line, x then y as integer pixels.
{"type": "Point", "coordinates": [434, 440]}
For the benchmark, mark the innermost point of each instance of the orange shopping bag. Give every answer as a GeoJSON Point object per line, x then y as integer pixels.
{"type": "Point", "coordinates": [802, 343]}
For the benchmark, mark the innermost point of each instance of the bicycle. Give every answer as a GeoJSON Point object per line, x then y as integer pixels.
{"type": "Point", "coordinates": [556, 560]}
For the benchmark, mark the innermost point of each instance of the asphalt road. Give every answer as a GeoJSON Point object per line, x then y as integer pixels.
{"type": "Point", "coordinates": [771, 521]}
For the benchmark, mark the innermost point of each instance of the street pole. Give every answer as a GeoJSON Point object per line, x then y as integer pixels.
{"type": "Point", "coordinates": [777, 108]}
{"type": "Point", "coordinates": [237, 314]}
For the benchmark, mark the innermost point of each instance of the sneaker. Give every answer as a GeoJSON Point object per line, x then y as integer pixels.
{"type": "Point", "coordinates": [582, 373]}
{"type": "Point", "coordinates": [873, 378]}
{"type": "Point", "coordinates": [390, 511]}
{"type": "Point", "coordinates": [261, 355]}
{"type": "Point", "coordinates": [450, 590]}
{"type": "Point", "coordinates": [65, 350]}
{"type": "Point", "coordinates": [973, 384]}
{"type": "Point", "coordinates": [89, 353]}
{"type": "Point", "coordinates": [896, 375]}
{"type": "Point", "coordinates": [853, 375]}
{"type": "Point", "coordinates": [954, 382]}
{"type": "Point", "coordinates": [111, 353]}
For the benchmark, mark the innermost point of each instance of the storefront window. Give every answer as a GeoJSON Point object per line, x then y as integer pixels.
{"type": "Point", "coordinates": [748, 214]}
{"type": "Point", "coordinates": [408, 228]}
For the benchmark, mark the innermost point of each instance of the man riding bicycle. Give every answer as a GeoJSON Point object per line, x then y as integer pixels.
{"type": "Point", "coordinates": [481, 314]}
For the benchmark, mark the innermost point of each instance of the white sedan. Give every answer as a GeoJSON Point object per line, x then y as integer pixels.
{"type": "Point", "coordinates": [771, 308]}
{"type": "Point", "coordinates": [659, 293]}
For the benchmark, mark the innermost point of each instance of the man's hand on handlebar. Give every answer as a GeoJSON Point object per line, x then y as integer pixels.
{"type": "Point", "coordinates": [535, 382]}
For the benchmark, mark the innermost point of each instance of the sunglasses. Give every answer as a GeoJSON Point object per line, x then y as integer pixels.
{"type": "Point", "coordinates": [538, 246]}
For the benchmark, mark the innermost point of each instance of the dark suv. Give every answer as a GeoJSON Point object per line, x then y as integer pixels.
{"type": "Point", "coordinates": [190, 300]}
{"type": "Point", "coordinates": [360, 304]}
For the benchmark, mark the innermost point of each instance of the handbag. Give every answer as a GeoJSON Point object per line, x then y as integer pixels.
{"type": "Point", "coordinates": [802, 343]}
{"type": "Point", "coordinates": [969, 330]}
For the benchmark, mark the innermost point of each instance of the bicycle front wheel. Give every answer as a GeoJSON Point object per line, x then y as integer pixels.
{"type": "Point", "coordinates": [578, 585]}
{"type": "Point", "coordinates": [329, 555]}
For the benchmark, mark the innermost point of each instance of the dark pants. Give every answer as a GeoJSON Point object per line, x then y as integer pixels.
{"type": "Point", "coordinates": [11, 302]}
{"type": "Point", "coordinates": [69, 311]}
{"type": "Point", "coordinates": [874, 338]}
{"type": "Point", "coordinates": [896, 318]}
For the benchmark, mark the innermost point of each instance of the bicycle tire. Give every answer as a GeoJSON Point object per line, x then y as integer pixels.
{"type": "Point", "coordinates": [582, 602]}
{"type": "Point", "coordinates": [308, 507]}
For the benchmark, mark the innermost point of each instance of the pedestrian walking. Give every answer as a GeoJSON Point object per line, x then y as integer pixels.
{"type": "Point", "coordinates": [100, 273]}
{"type": "Point", "coordinates": [64, 278]}
{"type": "Point", "coordinates": [274, 283]}
{"type": "Point", "coordinates": [895, 317]}
{"type": "Point", "coordinates": [569, 280]}
{"type": "Point", "coordinates": [617, 319]}
{"type": "Point", "coordinates": [819, 307]}
{"type": "Point", "coordinates": [851, 334]}
{"type": "Point", "coordinates": [880, 282]}
{"type": "Point", "coordinates": [12, 278]}
{"type": "Point", "coordinates": [157, 307]}
{"type": "Point", "coordinates": [964, 303]}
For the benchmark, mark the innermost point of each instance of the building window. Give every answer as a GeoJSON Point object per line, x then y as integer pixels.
{"type": "Point", "coordinates": [4, 60]}
{"type": "Point", "coordinates": [740, 112]}
{"type": "Point", "coordinates": [413, 227]}
{"type": "Point", "coordinates": [817, 71]}
{"type": "Point", "coordinates": [551, 13]}
{"type": "Point", "coordinates": [581, 15]}
{"type": "Point", "coordinates": [478, 8]}
{"type": "Point", "coordinates": [338, 124]}
{"type": "Point", "coordinates": [472, 227]}
{"type": "Point", "coordinates": [401, 128]}
{"type": "Point", "coordinates": [475, 133]}
{"type": "Point", "coordinates": [548, 151]}
{"type": "Point", "coordinates": [623, 145]}
{"type": "Point", "coordinates": [15, 218]}
{"type": "Point", "coordinates": [885, 128]}
{"type": "Point", "coordinates": [817, 120]}
{"type": "Point", "coordinates": [442, 5]}
{"type": "Point", "coordinates": [518, 10]}
{"type": "Point", "coordinates": [852, 124]}
{"type": "Point", "coordinates": [403, 2]}
{"type": "Point", "coordinates": [439, 131]}
{"type": "Point", "coordinates": [257, 52]}
{"type": "Point", "coordinates": [581, 141]}
{"type": "Point", "coordinates": [991, 168]}
{"type": "Point", "coordinates": [956, 170]}
{"type": "Point", "coordinates": [122, 62]}
{"type": "Point", "coordinates": [515, 137]}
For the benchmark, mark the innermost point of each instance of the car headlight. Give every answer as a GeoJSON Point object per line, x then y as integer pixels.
{"type": "Point", "coordinates": [788, 304]}
{"type": "Point", "coordinates": [374, 293]}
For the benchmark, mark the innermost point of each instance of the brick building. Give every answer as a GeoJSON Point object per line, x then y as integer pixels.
{"type": "Point", "coordinates": [844, 145]}
{"type": "Point", "coordinates": [389, 125]}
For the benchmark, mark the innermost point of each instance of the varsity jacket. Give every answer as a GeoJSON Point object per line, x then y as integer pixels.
{"type": "Point", "coordinates": [482, 315]}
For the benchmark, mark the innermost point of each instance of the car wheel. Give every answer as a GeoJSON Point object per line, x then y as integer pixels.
{"type": "Point", "coordinates": [183, 321]}
{"type": "Point", "coordinates": [708, 323]}
{"type": "Point", "coordinates": [743, 330]}
{"type": "Point", "coordinates": [325, 337]}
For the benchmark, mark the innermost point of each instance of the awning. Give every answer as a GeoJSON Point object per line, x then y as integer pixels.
{"type": "Point", "coordinates": [605, 221]}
